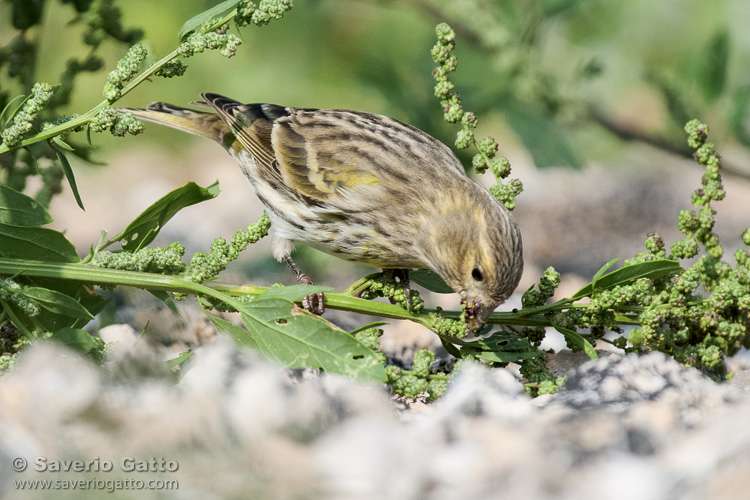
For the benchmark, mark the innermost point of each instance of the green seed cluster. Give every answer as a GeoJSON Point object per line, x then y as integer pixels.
{"type": "Point", "coordinates": [697, 224]}
{"type": "Point", "coordinates": [126, 69]}
{"type": "Point", "coordinates": [210, 39]}
{"type": "Point", "coordinates": [539, 380]}
{"type": "Point", "coordinates": [696, 329]}
{"type": "Point", "coordinates": [534, 370]}
{"type": "Point", "coordinates": [548, 283]}
{"type": "Point", "coordinates": [411, 383]}
{"type": "Point", "coordinates": [105, 119]}
{"type": "Point", "coordinates": [370, 338]}
{"type": "Point", "coordinates": [698, 317]}
{"type": "Point", "coordinates": [9, 292]}
{"type": "Point", "coordinates": [17, 55]}
{"type": "Point", "coordinates": [550, 386]}
{"type": "Point", "coordinates": [421, 365]}
{"type": "Point", "coordinates": [204, 266]}
{"type": "Point", "coordinates": [105, 19]}
{"type": "Point", "coordinates": [7, 362]}
{"type": "Point", "coordinates": [534, 334]}
{"type": "Point", "coordinates": [171, 69]}
{"type": "Point", "coordinates": [41, 93]}
{"type": "Point", "coordinates": [507, 193]}
{"type": "Point", "coordinates": [148, 260]}
{"type": "Point", "coordinates": [385, 285]}
{"type": "Point", "coordinates": [265, 12]}
{"type": "Point", "coordinates": [118, 124]}
{"type": "Point", "coordinates": [405, 383]}
{"type": "Point", "coordinates": [126, 123]}
{"type": "Point", "coordinates": [448, 327]}
{"type": "Point", "coordinates": [442, 54]}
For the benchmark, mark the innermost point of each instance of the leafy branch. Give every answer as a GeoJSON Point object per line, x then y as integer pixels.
{"type": "Point", "coordinates": [47, 290]}
{"type": "Point", "coordinates": [206, 31]}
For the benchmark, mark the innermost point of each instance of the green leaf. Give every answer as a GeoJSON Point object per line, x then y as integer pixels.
{"type": "Point", "coordinates": [576, 339]}
{"type": "Point", "coordinates": [146, 226]}
{"type": "Point", "coordinates": [541, 135]}
{"type": "Point", "coordinates": [35, 243]}
{"type": "Point", "coordinates": [26, 14]}
{"type": "Point", "coordinates": [34, 163]}
{"type": "Point", "coordinates": [56, 302]}
{"type": "Point", "coordinates": [77, 339]}
{"type": "Point", "coordinates": [3, 122]}
{"type": "Point", "coordinates": [17, 209]}
{"type": "Point", "coordinates": [292, 292]}
{"type": "Point", "coordinates": [240, 336]}
{"type": "Point", "coordinates": [451, 348]}
{"type": "Point", "coordinates": [296, 339]}
{"type": "Point", "coordinates": [601, 272]}
{"type": "Point", "coordinates": [368, 326]}
{"type": "Point", "coordinates": [17, 317]}
{"type": "Point", "coordinates": [179, 360]}
{"type": "Point", "coordinates": [500, 347]}
{"type": "Point", "coordinates": [216, 11]}
{"type": "Point", "coordinates": [499, 341]}
{"type": "Point", "coordinates": [83, 293]}
{"type": "Point", "coordinates": [84, 152]}
{"type": "Point", "coordinates": [652, 269]}
{"type": "Point", "coordinates": [712, 72]}
{"type": "Point", "coordinates": [429, 280]}
{"type": "Point", "coordinates": [57, 140]}
{"type": "Point", "coordinates": [738, 115]}
{"type": "Point", "coordinates": [69, 175]}
{"type": "Point", "coordinates": [499, 357]}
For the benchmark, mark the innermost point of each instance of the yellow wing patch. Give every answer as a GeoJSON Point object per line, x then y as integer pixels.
{"type": "Point", "coordinates": [331, 177]}
{"type": "Point", "coordinates": [310, 169]}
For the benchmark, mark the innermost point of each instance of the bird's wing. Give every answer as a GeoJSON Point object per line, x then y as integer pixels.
{"type": "Point", "coordinates": [250, 123]}
{"type": "Point", "coordinates": [329, 156]}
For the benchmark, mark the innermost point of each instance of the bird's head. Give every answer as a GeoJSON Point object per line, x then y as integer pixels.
{"type": "Point", "coordinates": [479, 254]}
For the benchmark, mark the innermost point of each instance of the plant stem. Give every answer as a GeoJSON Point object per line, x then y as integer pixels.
{"type": "Point", "coordinates": [226, 292]}
{"type": "Point", "coordinates": [91, 114]}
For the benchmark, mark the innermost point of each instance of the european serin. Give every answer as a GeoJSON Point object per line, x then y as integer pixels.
{"type": "Point", "coordinates": [365, 188]}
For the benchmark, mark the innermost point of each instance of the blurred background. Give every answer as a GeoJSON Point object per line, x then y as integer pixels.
{"type": "Point", "coordinates": [587, 99]}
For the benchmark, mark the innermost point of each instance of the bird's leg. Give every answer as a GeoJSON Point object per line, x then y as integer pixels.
{"type": "Point", "coordinates": [313, 303]}
{"type": "Point", "coordinates": [402, 276]}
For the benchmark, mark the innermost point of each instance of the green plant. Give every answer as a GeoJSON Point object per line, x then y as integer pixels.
{"type": "Point", "coordinates": [47, 288]}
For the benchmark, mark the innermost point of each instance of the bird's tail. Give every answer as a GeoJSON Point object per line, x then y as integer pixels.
{"type": "Point", "coordinates": [203, 123]}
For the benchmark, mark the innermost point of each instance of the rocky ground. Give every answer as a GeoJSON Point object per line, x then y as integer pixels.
{"type": "Point", "coordinates": [234, 426]}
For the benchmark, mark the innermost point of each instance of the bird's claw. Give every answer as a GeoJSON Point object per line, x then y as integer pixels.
{"type": "Point", "coordinates": [314, 303]}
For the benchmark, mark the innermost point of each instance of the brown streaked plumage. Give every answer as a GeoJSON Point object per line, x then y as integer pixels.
{"type": "Point", "coordinates": [365, 188]}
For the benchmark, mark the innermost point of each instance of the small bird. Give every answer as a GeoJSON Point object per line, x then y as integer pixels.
{"type": "Point", "coordinates": [365, 188]}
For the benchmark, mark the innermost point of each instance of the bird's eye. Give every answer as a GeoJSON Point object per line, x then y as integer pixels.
{"type": "Point", "coordinates": [477, 274]}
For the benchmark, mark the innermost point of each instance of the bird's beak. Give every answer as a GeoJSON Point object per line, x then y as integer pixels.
{"type": "Point", "coordinates": [476, 315]}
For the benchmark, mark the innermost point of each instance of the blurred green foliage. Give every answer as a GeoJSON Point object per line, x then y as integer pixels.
{"type": "Point", "coordinates": [553, 71]}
